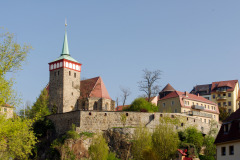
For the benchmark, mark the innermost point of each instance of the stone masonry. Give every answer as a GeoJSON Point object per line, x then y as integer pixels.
{"type": "Point", "coordinates": [64, 89]}
{"type": "Point", "coordinates": [97, 121]}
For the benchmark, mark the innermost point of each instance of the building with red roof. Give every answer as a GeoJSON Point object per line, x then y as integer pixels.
{"type": "Point", "coordinates": [94, 95]}
{"type": "Point", "coordinates": [226, 94]}
{"type": "Point", "coordinates": [228, 138]}
{"type": "Point", "coordinates": [190, 104]}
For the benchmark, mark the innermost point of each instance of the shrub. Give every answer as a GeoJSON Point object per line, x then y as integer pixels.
{"type": "Point", "coordinates": [142, 105]}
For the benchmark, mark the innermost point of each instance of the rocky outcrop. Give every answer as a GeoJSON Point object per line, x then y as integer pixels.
{"type": "Point", "coordinates": [119, 141]}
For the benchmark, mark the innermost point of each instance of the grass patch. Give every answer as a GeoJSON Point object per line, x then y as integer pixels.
{"type": "Point", "coordinates": [87, 134]}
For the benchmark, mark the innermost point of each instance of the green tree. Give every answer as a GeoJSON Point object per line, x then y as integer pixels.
{"type": "Point", "coordinates": [195, 137]}
{"type": "Point", "coordinates": [142, 143]}
{"type": "Point", "coordinates": [16, 138]}
{"type": "Point", "coordinates": [210, 148]}
{"type": "Point", "coordinates": [165, 139]}
{"type": "Point", "coordinates": [40, 107]}
{"type": "Point", "coordinates": [99, 148]}
{"type": "Point", "coordinates": [223, 113]}
{"type": "Point", "coordinates": [141, 104]}
{"type": "Point", "coordinates": [12, 56]}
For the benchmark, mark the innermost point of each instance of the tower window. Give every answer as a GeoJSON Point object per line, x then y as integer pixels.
{"type": "Point", "coordinates": [58, 73]}
{"type": "Point", "coordinates": [54, 73]}
{"type": "Point", "coordinates": [75, 75]}
{"type": "Point", "coordinates": [69, 73]}
{"type": "Point", "coordinates": [72, 93]}
{"type": "Point", "coordinates": [72, 84]}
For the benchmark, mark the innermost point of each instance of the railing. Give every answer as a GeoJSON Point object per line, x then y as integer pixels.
{"type": "Point", "coordinates": [221, 90]}
{"type": "Point", "coordinates": [221, 97]}
{"type": "Point", "coordinates": [197, 107]}
{"type": "Point", "coordinates": [195, 113]}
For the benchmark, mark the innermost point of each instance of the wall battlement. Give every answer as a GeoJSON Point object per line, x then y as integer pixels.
{"type": "Point", "coordinates": [95, 121]}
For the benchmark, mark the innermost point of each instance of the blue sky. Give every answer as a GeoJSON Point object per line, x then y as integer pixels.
{"type": "Point", "coordinates": [192, 42]}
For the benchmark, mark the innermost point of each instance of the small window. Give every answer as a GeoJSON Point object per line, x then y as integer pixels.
{"type": "Point", "coordinates": [229, 103]}
{"type": "Point", "coordinates": [229, 94]}
{"type": "Point", "coordinates": [182, 124]}
{"type": "Point", "coordinates": [58, 73]}
{"type": "Point", "coordinates": [72, 84]}
{"type": "Point", "coordinates": [55, 73]}
{"type": "Point", "coordinates": [231, 150]}
{"type": "Point", "coordinates": [126, 114]}
{"type": "Point", "coordinates": [205, 121]}
{"type": "Point", "coordinates": [163, 104]}
{"type": "Point", "coordinates": [75, 75]}
{"type": "Point", "coordinates": [172, 116]}
{"type": "Point", "coordinates": [224, 103]}
{"type": "Point", "coordinates": [224, 94]}
{"type": "Point", "coordinates": [72, 93]}
{"type": "Point", "coordinates": [89, 113]}
{"type": "Point", "coordinates": [172, 103]}
{"type": "Point", "coordinates": [213, 96]}
{"type": "Point", "coordinates": [175, 110]}
{"type": "Point", "coordinates": [160, 115]}
{"type": "Point", "coordinates": [223, 151]}
{"type": "Point", "coordinates": [69, 73]}
{"type": "Point", "coordinates": [219, 104]}
{"type": "Point", "coordinates": [208, 106]}
{"type": "Point", "coordinates": [105, 114]}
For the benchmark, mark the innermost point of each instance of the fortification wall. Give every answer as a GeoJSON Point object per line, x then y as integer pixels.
{"type": "Point", "coordinates": [64, 121]}
{"type": "Point", "coordinates": [95, 121]}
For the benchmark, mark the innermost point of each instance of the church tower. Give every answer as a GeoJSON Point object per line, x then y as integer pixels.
{"type": "Point", "coordinates": [64, 83]}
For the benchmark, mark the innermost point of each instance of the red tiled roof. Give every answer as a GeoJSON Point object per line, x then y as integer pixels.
{"type": "Point", "coordinates": [230, 83]}
{"type": "Point", "coordinates": [168, 87]}
{"type": "Point", "coordinates": [7, 105]}
{"type": "Point", "coordinates": [182, 95]}
{"type": "Point", "coordinates": [94, 87]}
{"type": "Point", "coordinates": [234, 131]}
{"type": "Point", "coordinates": [120, 108]}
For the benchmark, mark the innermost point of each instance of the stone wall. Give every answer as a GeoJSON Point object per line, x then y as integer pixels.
{"type": "Point", "coordinates": [95, 121]}
{"type": "Point", "coordinates": [64, 121]}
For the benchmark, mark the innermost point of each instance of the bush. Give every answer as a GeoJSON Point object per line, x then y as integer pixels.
{"type": "Point", "coordinates": [99, 148]}
{"type": "Point", "coordinates": [142, 105]}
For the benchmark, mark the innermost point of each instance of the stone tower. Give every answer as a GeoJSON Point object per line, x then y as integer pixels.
{"type": "Point", "coordinates": [64, 83]}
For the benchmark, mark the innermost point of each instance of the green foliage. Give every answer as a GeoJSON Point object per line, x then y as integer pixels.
{"type": "Point", "coordinates": [123, 119]}
{"type": "Point", "coordinates": [112, 156]}
{"type": "Point", "coordinates": [12, 55]}
{"type": "Point", "coordinates": [72, 134]}
{"type": "Point", "coordinates": [142, 143]}
{"type": "Point", "coordinates": [210, 150]}
{"type": "Point", "coordinates": [162, 144]}
{"type": "Point", "coordinates": [223, 113]}
{"type": "Point", "coordinates": [99, 148]}
{"type": "Point", "coordinates": [194, 136]}
{"type": "Point", "coordinates": [87, 134]}
{"type": "Point", "coordinates": [40, 107]}
{"type": "Point", "coordinates": [165, 139]}
{"type": "Point", "coordinates": [141, 104]}
{"type": "Point", "coordinates": [16, 138]}
{"type": "Point", "coordinates": [41, 126]}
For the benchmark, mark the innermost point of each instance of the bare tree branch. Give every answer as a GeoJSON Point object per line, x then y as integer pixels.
{"type": "Point", "coordinates": [125, 93]}
{"type": "Point", "coordinates": [148, 84]}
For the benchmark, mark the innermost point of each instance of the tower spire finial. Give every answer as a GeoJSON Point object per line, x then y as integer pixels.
{"type": "Point", "coordinates": [65, 50]}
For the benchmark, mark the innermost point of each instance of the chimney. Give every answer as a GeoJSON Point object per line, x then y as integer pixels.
{"type": "Point", "coordinates": [186, 93]}
{"type": "Point", "coordinates": [198, 94]}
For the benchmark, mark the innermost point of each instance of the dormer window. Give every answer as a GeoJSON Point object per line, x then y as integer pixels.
{"type": "Point", "coordinates": [227, 127]}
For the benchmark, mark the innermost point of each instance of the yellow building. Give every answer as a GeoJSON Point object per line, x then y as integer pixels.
{"type": "Point", "coordinates": [7, 110]}
{"type": "Point", "coordinates": [226, 94]}
{"type": "Point", "coordinates": [190, 104]}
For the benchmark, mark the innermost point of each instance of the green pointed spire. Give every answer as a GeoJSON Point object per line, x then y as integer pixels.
{"type": "Point", "coordinates": [65, 50]}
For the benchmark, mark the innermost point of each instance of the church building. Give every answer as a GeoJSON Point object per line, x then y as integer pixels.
{"type": "Point", "coordinates": [66, 91]}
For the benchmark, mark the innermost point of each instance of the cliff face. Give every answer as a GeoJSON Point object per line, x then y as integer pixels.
{"type": "Point", "coordinates": [119, 141]}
